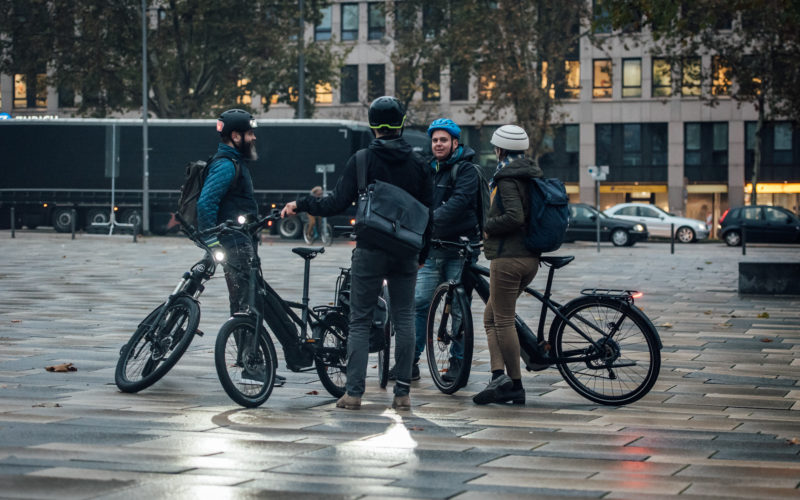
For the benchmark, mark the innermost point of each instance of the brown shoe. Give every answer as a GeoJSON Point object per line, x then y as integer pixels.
{"type": "Point", "coordinates": [349, 402]}
{"type": "Point", "coordinates": [402, 403]}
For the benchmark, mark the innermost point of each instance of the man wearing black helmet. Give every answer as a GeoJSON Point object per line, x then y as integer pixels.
{"type": "Point", "coordinates": [228, 193]}
{"type": "Point", "coordinates": [390, 159]}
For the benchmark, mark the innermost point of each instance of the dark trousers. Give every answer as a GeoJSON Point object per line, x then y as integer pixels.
{"type": "Point", "coordinates": [369, 269]}
{"type": "Point", "coordinates": [238, 254]}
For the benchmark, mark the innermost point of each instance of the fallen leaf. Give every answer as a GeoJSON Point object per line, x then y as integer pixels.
{"type": "Point", "coordinates": [16, 321]}
{"type": "Point", "coordinates": [46, 405]}
{"type": "Point", "coordinates": [63, 256]}
{"type": "Point", "coordinates": [665, 325]}
{"type": "Point", "coordinates": [313, 393]}
{"type": "Point", "coordinates": [63, 367]}
{"type": "Point", "coordinates": [708, 262]}
{"type": "Point", "coordinates": [708, 312]}
{"type": "Point", "coordinates": [699, 268]}
{"type": "Point", "coordinates": [415, 428]}
{"type": "Point", "coordinates": [764, 315]}
{"type": "Point", "coordinates": [794, 440]}
{"type": "Point", "coordinates": [765, 340]}
{"type": "Point", "coordinates": [724, 325]}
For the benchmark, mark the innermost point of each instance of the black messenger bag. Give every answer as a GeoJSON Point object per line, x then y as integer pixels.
{"type": "Point", "coordinates": [388, 216]}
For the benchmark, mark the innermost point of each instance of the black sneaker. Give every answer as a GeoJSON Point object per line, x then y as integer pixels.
{"type": "Point", "coordinates": [515, 396]}
{"type": "Point", "coordinates": [452, 370]}
{"type": "Point", "coordinates": [414, 372]}
{"type": "Point", "coordinates": [279, 380]}
{"type": "Point", "coordinates": [496, 388]}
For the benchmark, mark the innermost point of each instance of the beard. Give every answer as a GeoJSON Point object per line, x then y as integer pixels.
{"type": "Point", "coordinates": [248, 150]}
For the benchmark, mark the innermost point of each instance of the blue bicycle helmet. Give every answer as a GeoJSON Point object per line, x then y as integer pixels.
{"type": "Point", "coordinates": [447, 125]}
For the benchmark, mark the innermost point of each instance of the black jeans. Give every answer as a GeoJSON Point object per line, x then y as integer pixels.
{"type": "Point", "coordinates": [238, 253]}
{"type": "Point", "coordinates": [369, 269]}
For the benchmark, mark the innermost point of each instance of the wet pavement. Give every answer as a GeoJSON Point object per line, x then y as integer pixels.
{"type": "Point", "coordinates": [723, 419]}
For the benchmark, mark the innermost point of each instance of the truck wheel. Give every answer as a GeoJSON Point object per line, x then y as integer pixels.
{"type": "Point", "coordinates": [62, 220]}
{"type": "Point", "coordinates": [96, 215]}
{"type": "Point", "coordinates": [291, 228]}
{"type": "Point", "coordinates": [132, 216]}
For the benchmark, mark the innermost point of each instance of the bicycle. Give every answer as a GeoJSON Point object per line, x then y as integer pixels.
{"type": "Point", "coordinates": [164, 335]}
{"type": "Point", "coordinates": [325, 235]}
{"type": "Point", "coordinates": [244, 354]}
{"type": "Point", "coordinates": [612, 343]}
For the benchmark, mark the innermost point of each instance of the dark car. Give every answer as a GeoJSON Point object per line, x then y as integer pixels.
{"type": "Point", "coordinates": [763, 224]}
{"type": "Point", "coordinates": [620, 232]}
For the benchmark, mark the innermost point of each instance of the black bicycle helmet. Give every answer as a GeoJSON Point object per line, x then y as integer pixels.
{"type": "Point", "coordinates": [235, 119]}
{"type": "Point", "coordinates": [387, 112]}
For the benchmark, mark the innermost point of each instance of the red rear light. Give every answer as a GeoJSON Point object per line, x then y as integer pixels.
{"type": "Point", "coordinates": [637, 295]}
{"type": "Point", "coordinates": [722, 218]}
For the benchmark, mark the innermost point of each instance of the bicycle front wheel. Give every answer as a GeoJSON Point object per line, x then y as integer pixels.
{"type": "Point", "coordinates": [449, 338]}
{"type": "Point", "coordinates": [155, 347]}
{"type": "Point", "coordinates": [326, 234]}
{"type": "Point", "coordinates": [331, 358]}
{"type": "Point", "coordinates": [624, 364]}
{"type": "Point", "coordinates": [246, 368]}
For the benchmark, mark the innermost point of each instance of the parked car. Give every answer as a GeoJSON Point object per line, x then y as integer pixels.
{"type": "Point", "coordinates": [620, 232]}
{"type": "Point", "coordinates": [764, 224]}
{"type": "Point", "coordinates": [659, 222]}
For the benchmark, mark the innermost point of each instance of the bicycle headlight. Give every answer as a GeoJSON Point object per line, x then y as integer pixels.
{"type": "Point", "coordinates": [219, 255]}
{"type": "Point", "coordinates": [241, 219]}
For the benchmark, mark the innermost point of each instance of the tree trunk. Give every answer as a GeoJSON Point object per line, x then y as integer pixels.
{"type": "Point", "coordinates": [757, 150]}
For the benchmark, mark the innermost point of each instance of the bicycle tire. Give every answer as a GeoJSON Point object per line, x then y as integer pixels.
{"type": "Point", "coordinates": [143, 361]}
{"type": "Point", "coordinates": [384, 355]}
{"type": "Point", "coordinates": [326, 235]}
{"type": "Point", "coordinates": [438, 346]}
{"type": "Point", "coordinates": [308, 237]}
{"type": "Point", "coordinates": [331, 358]}
{"type": "Point", "coordinates": [632, 359]}
{"type": "Point", "coordinates": [248, 377]}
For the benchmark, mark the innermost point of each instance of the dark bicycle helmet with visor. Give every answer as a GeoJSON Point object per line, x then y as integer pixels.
{"type": "Point", "coordinates": [237, 120]}
{"type": "Point", "coordinates": [387, 112]}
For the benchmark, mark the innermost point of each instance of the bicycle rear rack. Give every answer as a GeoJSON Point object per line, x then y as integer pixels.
{"type": "Point", "coordinates": [627, 295]}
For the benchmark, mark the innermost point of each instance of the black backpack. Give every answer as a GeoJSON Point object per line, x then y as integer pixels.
{"type": "Point", "coordinates": [548, 215]}
{"type": "Point", "coordinates": [484, 198]}
{"type": "Point", "coordinates": [196, 173]}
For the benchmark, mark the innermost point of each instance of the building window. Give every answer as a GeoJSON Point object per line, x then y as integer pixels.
{"type": "Point", "coordinates": [601, 86]}
{"type": "Point", "coordinates": [782, 143]}
{"type": "Point", "coordinates": [459, 83]}
{"type": "Point", "coordinates": [662, 78]}
{"type": "Point", "coordinates": [323, 93]}
{"type": "Point", "coordinates": [405, 17]}
{"type": "Point", "coordinates": [571, 142]}
{"type": "Point", "coordinates": [349, 84]}
{"type": "Point", "coordinates": [691, 142]}
{"type": "Point", "coordinates": [486, 86]}
{"type": "Point", "coordinates": [376, 81]}
{"type": "Point", "coordinates": [430, 83]}
{"type": "Point", "coordinates": [721, 82]}
{"type": "Point", "coordinates": [720, 144]}
{"type": "Point", "coordinates": [632, 144]}
{"type": "Point", "coordinates": [349, 21]}
{"type": "Point", "coordinates": [572, 82]}
{"type": "Point", "coordinates": [322, 31]}
{"type": "Point", "coordinates": [631, 78]}
{"type": "Point", "coordinates": [66, 97]}
{"type": "Point", "coordinates": [376, 17]}
{"type": "Point", "coordinates": [690, 77]}
{"type": "Point", "coordinates": [30, 91]}
{"type": "Point", "coordinates": [602, 19]}
{"type": "Point", "coordinates": [432, 19]}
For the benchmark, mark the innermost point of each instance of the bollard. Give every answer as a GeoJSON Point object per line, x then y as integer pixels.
{"type": "Point", "coordinates": [744, 239]}
{"type": "Point", "coordinates": [135, 230]}
{"type": "Point", "coordinates": [12, 223]}
{"type": "Point", "coordinates": [72, 222]}
{"type": "Point", "coordinates": [672, 238]}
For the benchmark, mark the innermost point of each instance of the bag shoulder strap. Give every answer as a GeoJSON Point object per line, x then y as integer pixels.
{"type": "Point", "coordinates": [361, 169]}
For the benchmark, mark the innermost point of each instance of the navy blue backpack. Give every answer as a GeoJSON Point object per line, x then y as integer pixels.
{"type": "Point", "coordinates": [549, 215]}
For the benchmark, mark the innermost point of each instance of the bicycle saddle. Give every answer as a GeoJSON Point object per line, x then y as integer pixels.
{"type": "Point", "coordinates": [557, 262]}
{"type": "Point", "coordinates": [308, 253]}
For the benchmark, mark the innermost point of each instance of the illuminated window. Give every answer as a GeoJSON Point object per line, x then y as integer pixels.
{"type": "Point", "coordinates": [323, 93]}
{"type": "Point", "coordinates": [20, 91]}
{"type": "Point", "coordinates": [567, 84]}
{"type": "Point", "coordinates": [272, 99]}
{"type": "Point", "coordinates": [486, 86]}
{"type": "Point", "coordinates": [30, 96]}
{"type": "Point", "coordinates": [721, 82]}
{"type": "Point", "coordinates": [662, 78]}
{"type": "Point", "coordinates": [631, 78]}
{"type": "Point", "coordinates": [246, 96]}
{"type": "Point", "coordinates": [601, 86]}
{"type": "Point", "coordinates": [690, 77]}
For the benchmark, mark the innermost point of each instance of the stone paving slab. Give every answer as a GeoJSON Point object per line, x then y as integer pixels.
{"type": "Point", "coordinates": [721, 422]}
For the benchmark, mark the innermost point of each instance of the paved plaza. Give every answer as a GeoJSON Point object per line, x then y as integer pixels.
{"type": "Point", "coordinates": [723, 420]}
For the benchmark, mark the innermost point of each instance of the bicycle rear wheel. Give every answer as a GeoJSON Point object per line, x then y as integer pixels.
{"type": "Point", "coordinates": [331, 357]}
{"type": "Point", "coordinates": [246, 370]}
{"type": "Point", "coordinates": [153, 349]}
{"type": "Point", "coordinates": [449, 334]}
{"type": "Point", "coordinates": [326, 234]}
{"type": "Point", "coordinates": [627, 364]}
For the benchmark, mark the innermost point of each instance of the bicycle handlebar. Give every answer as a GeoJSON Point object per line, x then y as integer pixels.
{"type": "Point", "coordinates": [228, 226]}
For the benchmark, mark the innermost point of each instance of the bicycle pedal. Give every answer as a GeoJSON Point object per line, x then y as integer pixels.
{"type": "Point", "coordinates": [199, 332]}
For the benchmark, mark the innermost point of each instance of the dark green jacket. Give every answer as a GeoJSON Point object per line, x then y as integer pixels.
{"type": "Point", "coordinates": [506, 227]}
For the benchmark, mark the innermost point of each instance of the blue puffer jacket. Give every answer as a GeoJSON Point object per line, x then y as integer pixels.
{"type": "Point", "coordinates": [223, 199]}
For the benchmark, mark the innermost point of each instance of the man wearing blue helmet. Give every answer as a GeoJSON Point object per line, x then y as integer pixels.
{"type": "Point", "coordinates": [455, 203]}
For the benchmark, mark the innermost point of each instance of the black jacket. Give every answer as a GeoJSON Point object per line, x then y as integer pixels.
{"type": "Point", "coordinates": [391, 159]}
{"type": "Point", "coordinates": [455, 204]}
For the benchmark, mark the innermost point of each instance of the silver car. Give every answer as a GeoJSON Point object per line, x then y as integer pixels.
{"type": "Point", "coordinates": [659, 222]}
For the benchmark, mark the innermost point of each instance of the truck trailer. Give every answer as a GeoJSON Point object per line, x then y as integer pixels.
{"type": "Point", "coordinates": [59, 172]}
